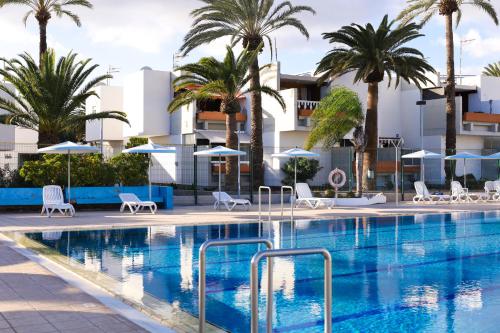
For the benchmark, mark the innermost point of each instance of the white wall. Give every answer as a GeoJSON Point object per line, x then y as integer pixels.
{"type": "Point", "coordinates": [110, 98]}
{"type": "Point", "coordinates": [147, 94]}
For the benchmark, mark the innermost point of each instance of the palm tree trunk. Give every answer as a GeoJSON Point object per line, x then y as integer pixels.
{"type": "Point", "coordinates": [359, 173]}
{"type": "Point", "coordinates": [256, 145]}
{"type": "Point", "coordinates": [231, 142]}
{"type": "Point", "coordinates": [451, 131]}
{"type": "Point", "coordinates": [46, 138]}
{"type": "Point", "coordinates": [371, 130]}
{"type": "Point", "coordinates": [43, 39]}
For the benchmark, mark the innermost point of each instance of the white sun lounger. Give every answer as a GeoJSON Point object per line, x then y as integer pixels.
{"type": "Point", "coordinates": [229, 202]}
{"type": "Point", "coordinates": [135, 204]}
{"type": "Point", "coordinates": [53, 199]}
{"type": "Point", "coordinates": [305, 196]}
{"type": "Point", "coordinates": [423, 195]}
{"type": "Point", "coordinates": [461, 194]}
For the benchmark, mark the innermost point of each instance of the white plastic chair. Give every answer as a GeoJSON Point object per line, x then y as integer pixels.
{"type": "Point", "coordinates": [490, 190]}
{"type": "Point", "coordinates": [229, 202]}
{"type": "Point", "coordinates": [135, 204]}
{"type": "Point", "coordinates": [424, 196]}
{"type": "Point", "coordinates": [305, 196]}
{"type": "Point", "coordinates": [53, 199]}
{"type": "Point", "coordinates": [462, 194]}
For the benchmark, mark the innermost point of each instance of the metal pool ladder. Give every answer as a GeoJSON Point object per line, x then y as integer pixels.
{"type": "Point", "coordinates": [254, 284]}
{"type": "Point", "coordinates": [292, 200]}
{"type": "Point", "coordinates": [267, 188]}
{"type": "Point", "coordinates": [202, 272]}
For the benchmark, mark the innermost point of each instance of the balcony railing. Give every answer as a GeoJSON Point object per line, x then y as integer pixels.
{"type": "Point", "coordinates": [218, 116]}
{"type": "Point", "coordinates": [477, 117]}
{"type": "Point", "coordinates": [307, 105]}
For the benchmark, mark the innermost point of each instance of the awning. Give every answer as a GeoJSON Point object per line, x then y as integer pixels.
{"type": "Point", "coordinates": [219, 136]}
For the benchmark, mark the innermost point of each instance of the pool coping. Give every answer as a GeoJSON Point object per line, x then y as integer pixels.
{"type": "Point", "coordinates": [101, 287]}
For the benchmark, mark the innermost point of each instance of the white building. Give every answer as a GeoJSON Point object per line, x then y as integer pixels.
{"type": "Point", "coordinates": [147, 94]}
{"type": "Point", "coordinates": [14, 140]}
{"type": "Point", "coordinates": [110, 131]}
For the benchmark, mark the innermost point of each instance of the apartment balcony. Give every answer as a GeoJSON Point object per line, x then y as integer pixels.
{"type": "Point", "coordinates": [477, 123]}
{"type": "Point", "coordinates": [210, 116]}
{"type": "Point", "coordinates": [305, 110]}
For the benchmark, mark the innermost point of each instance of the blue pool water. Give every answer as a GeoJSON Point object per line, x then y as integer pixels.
{"type": "Point", "coordinates": [427, 273]}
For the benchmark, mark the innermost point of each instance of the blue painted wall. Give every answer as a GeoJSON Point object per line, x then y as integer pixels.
{"type": "Point", "coordinates": [88, 195]}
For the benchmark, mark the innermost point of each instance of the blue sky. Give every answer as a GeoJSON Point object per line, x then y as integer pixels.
{"type": "Point", "coordinates": [130, 34]}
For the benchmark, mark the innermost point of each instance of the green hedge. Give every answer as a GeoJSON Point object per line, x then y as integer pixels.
{"type": "Point", "coordinates": [87, 170]}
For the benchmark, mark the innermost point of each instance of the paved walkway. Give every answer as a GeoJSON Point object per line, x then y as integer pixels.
{"type": "Point", "coordinates": [33, 300]}
{"type": "Point", "coordinates": [206, 214]}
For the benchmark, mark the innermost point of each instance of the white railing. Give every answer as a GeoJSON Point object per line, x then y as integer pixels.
{"type": "Point", "coordinates": [308, 105]}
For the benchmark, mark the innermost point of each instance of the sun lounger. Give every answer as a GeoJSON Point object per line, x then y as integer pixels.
{"type": "Point", "coordinates": [229, 202]}
{"type": "Point", "coordinates": [53, 199]}
{"type": "Point", "coordinates": [461, 194]}
{"type": "Point", "coordinates": [305, 196]}
{"type": "Point", "coordinates": [135, 204]}
{"type": "Point", "coordinates": [424, 196]}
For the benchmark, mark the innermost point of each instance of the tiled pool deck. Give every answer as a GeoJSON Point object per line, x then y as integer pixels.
{"type": "Point", "coordinates": [32, 299]}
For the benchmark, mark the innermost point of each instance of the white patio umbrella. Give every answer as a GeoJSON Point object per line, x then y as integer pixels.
{"type": "Point", "coordinates": [68, 148]}
{"type": "Point", "coordinates": [220, 151]}
{"type": "Point", "coordinates": [296, 153]}
{"type": "Point", "coordinates": [422, 154]}
{"type": "Point", "coordinates": [149, 149]}
{"type": "Point", "coordinates": [465, 156]}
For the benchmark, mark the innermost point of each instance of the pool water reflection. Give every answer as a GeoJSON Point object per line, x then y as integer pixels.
{"type": "Point", "coordinates": [424, 273]}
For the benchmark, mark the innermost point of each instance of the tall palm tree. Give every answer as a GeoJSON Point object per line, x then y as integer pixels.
{"type": "Point", "coordinates": [371, 53]}
{"type": "Point", "coordinates": [226, 80]}
{"type": "Point", "coordinates": [42, 10]}
{"type": "Point", "coordinates": [50, 98]}
{"type": "Point", "coordinates": [425, 10]}
{"type": "Point", "coordinates": [492, 69]}
{"type": "Point", "coordinates": [251, 22]}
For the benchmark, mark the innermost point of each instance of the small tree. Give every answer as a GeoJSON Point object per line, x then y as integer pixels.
{"type": "Point", "coordinates": [306, 170]}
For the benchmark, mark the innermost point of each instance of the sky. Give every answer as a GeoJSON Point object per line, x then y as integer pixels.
{"type": "Point", "coordinates": [130, 34]}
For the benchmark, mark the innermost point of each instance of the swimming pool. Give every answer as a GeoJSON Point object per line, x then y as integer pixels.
{"type": "Point", "coordinates": [424, 273]}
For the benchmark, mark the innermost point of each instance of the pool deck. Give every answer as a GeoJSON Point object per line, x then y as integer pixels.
{"type": "Point", "coordinates": [197, 215]}
{"type": "Point", "coordinates": [35, 300]}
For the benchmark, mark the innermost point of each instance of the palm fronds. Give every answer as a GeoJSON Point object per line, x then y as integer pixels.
{"type": "Point", "coordinates": [50, 98]}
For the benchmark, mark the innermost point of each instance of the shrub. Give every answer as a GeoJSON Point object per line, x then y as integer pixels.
{"type": "Point", "coordinates": [306, 170]}
{"type": "Point", "coordinates": [131, 169]}
{"type": "Point", "coordinates": [86, 170]}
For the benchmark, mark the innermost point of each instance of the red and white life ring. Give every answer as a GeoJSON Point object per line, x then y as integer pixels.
{"type": "Point", "coordinates": [337, 178]}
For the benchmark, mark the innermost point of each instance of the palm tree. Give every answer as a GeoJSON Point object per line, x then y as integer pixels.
{"type": "Point", "coordinates": [226, 80]}
{"type": "Point", "coordinates": [251, 22]}
{"type": "Point", "coordinates": [51, 98]}
{"type": "Point", "coordinates": [371, 53]}
{"type": "Point", "coordinates": [426, 9]}
{"type": "Point", "coordinates": [492, 69]}
{"type": "Point", "coordinates": [43, 10]}
{"type": "Point", "coordinates": [337, 114]}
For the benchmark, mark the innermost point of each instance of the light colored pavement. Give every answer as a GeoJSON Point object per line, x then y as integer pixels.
{"type": "Point", "coordinates": [207, 215]}
{"type": "Point", "coordinates": [33, 300]}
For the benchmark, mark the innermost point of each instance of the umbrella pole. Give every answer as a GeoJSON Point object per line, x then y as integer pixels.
{"type": "Point", "coordinates": [220, 186]}
{"type": "Point", "coordinates": [69, 178]}
{"type": "Point", "coordinates": [149, 176]}
{"type": "Point", "coordinates": [423, 171]}
{"type": "Point", "coordinates": [465, 176]}
{"type": "Point", "coordinates": [295, 175]}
